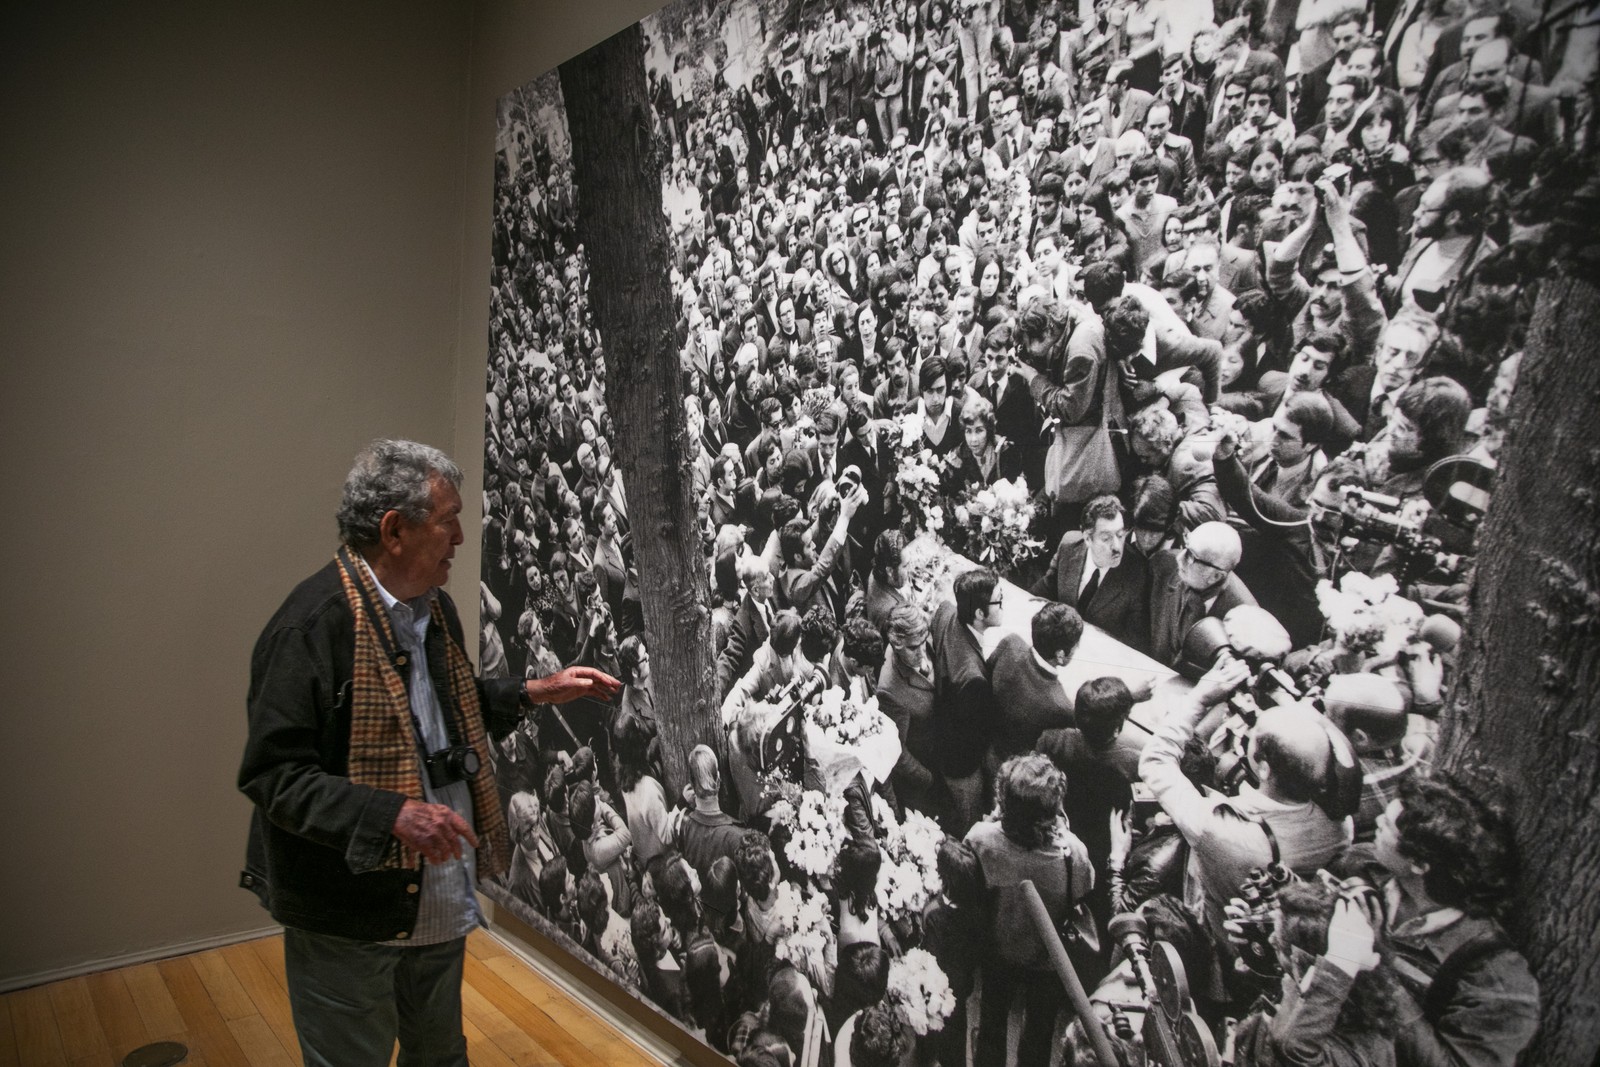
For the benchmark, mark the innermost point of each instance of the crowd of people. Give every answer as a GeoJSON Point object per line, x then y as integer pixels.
{"type": "Point", "coordinates": [1217, 287]}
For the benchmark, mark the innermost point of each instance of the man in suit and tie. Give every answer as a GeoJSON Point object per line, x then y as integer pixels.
{"type": "Point", "coordinates": [1190, 583]}
{"type": "Point", "coordinates": [1016, 419]}
{"type": "Point", "coordinates": [1235, 56]}
{"type": "Point", "coordinates": [962, 700]}
{"type": "Point", "coordinates": [1125, 107]}
{"type": "Point", "coordinates": [1092, 573]}
{"type": "Point", "coordinates": [866, 453]}
{"type": "Point", "coordinates": [1170, 146]}
{"type": "Point", "coordinates": [562, 421]}
{"type": "Point", "coordinates": [1041, 157]}
{"type": "Point", "coordinates": [751, 623]}
{"type": "Point", "coordinates": [1094, 154]}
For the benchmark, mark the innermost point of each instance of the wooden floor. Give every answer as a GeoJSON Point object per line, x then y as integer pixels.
{"type": "Point", "coordinates": [231, 1008]}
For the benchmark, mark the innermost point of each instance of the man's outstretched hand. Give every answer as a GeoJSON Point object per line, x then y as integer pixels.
{"type": "Point", "coordinates": [435, 830]}
{"type": "Point", "coordinates": [573, 683]}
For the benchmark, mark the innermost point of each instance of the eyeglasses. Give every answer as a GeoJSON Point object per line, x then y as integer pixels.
{"type": "Point", "coordinates": [1207, 564]}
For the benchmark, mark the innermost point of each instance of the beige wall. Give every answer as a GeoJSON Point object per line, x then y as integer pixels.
{"type": "Point", "coordinates": [239, 241]}
{"type": "Point", "coordinates": [231, 238]}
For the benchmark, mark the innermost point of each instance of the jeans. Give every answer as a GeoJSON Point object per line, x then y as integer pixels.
{"type": "Point", "coordinates": [352, 999]}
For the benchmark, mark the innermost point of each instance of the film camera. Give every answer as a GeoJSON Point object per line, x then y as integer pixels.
{"type": "Point", "coordinates": [1251, 634]}
{"type": "Point", "coordinates": [1457, 488]}
{"type": "Point", "coordinates": [458, 763]}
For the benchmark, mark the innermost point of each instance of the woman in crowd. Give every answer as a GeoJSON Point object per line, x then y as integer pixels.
{"type": "Point", "coordinates": [984, 458]}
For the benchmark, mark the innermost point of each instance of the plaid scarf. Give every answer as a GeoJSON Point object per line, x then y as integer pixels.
{"type": "Point", "coordinates": [383, 742]}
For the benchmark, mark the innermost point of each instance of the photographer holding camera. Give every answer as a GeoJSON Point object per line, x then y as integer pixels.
{"type": "Point", "coordinates": [367, 760]}
{"type": "Point", "coordinates": [1278, 821]}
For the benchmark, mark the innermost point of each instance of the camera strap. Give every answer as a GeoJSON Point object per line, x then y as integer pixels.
{"type": "Point", "coordinates": [399, 658]}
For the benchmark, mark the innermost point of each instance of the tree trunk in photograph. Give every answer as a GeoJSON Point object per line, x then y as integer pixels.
{"type": "Point", "coordinates": [1527, 703]}
{"type": "Point", "coordinates": [624, 232]}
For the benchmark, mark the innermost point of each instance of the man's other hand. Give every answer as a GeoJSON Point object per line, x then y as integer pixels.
{"type": "Point", "coordinates": [435, 830]}
{"type": "Point", "coordinates": [573, 683]}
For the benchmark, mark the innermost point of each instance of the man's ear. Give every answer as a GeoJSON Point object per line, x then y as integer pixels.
{"type": "Point", "coordinates": [389, 528]}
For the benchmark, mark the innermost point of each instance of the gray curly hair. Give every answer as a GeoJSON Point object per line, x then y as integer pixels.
{"type": "Point", "coordinates": [390, 476]}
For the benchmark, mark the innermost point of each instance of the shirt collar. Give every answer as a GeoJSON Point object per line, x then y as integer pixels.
{"type": "Point", "coordinates": [1044, 664]}
{"type": "Point", "coordinates": [1419, 925]}
{"type": "Point", "coordinates": [390, 601]}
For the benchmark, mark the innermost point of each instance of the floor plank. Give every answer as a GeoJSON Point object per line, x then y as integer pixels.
{"type": "Point", "coordinates": [226, 993]}
{"type": "Point", "coordinates": [269, 950]}
{"type": "Point", "coordinates": [150, 995]}
{"type": "Point", "coordinates": [555, 1004]}
{"type": "Point", "coordinates": [522, 1049]}
{"type": "Point", "coordinates": [230, 1006]}
{"type": "Point", "coordinates": [205, 1023]}
{"type": "Point", "coordinates": [260, 1043]}
{"type": "Point", "coordinates": [119, 1017]}
{"type": "Point", "coordinates": [8, 1037]}
{"type": "Point", "coordinates": [482, 1051]}
{"type": "Point", "coordinates": [34, 1022]}
{"type": "Point", "coordinates": [483, 947]}
{"type": "Point", "coordinates": [81, 1037]}
{"type": "Point", "coordinates": [271, 999]}
{"type": "Point", "coordinates": [569, 1049]}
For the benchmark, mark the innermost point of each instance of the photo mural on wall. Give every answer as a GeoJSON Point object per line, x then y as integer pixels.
{"type": "Point", "coordinates": [1066, 393]}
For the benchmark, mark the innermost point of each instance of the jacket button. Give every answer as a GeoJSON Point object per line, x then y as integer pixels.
{"type": "Point", "coordinates": [413, 888]}
{"type": "Point", "coordinates": [402, 935]}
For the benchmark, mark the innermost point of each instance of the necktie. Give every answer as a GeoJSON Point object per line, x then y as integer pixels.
{"type": "Point", "coordinates": [1089, 589]}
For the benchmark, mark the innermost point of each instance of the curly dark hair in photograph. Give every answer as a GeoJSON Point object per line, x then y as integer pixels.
{"type": "Point", "coordinates": [880, 1039]}
{"type": "Point", "coordinates": [1031, 791]}
{"type": "Point", "coordinates": [1462, 834]}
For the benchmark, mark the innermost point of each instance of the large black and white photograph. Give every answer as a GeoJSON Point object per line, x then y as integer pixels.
{"type": "Point", "coordinates": [1053, 482]}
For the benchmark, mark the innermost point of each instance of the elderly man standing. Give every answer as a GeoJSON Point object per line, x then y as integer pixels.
{"type": "Point", "coordinates": [368, 762]}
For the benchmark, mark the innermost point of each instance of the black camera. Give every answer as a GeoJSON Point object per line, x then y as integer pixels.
{"type": "Point", "coordinates": [1377, 518]}
{"type": "Point", "coordinates": [849, 478]}
{"type": "Point", "coordinates": [458, 763]}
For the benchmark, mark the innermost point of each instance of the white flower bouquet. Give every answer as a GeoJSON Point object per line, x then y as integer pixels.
{"type": "Point", "coordinates": [909, 875]}
{"type": "Point", "coordinates": [921, 992]}
{"type": "Point", "coordinates": [920, 480]}
{"type": "Point", "coordinates": [998, 522]}
{"type": "Point", "coordinates": [845, 721]}
{"type": "Point", "coordinates": [1368, 616]}
{"type": "Point", "coordinates": [816, 832]}
{"type": "Point", "coordinates": [846, 736]}
{"type": "Point", "coordinates": [901, 892]}
{"type": "Point", "coordinates": [803, 934]}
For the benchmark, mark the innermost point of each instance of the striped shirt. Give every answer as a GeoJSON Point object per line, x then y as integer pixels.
{"type": "Point", "coordinates": [449, 906]}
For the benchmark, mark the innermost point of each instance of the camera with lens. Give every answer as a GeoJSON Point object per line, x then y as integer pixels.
{"type": "Point", "coordinates": [849, 479]}
{"type": "Point", "coordinates": [1370, 516]}
{"type": "Point", "coordinates": [1377, 518]}
{"type": "Point", "coordinates": [458, 763]}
